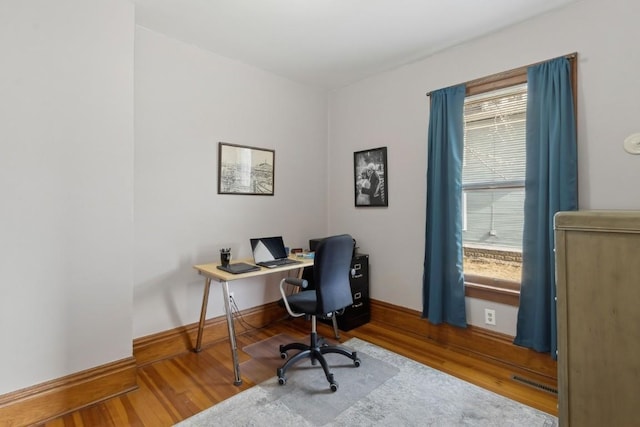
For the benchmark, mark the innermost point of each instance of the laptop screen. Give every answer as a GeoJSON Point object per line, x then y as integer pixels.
{"type": "Point", "coordinates": [268, 249]}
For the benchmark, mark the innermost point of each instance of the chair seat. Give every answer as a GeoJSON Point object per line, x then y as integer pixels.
{"type": "Point", "coordinates": [303, 302]}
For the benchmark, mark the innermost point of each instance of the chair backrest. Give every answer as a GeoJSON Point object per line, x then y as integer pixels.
{"type": "Point", "coordinates": [331, 265]}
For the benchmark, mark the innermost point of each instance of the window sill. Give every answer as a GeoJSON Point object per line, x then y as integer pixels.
{"type": "Point", "coordinates": [495, 290]}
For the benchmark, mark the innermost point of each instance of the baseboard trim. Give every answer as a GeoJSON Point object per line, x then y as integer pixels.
{"type": "Point", "coordinates": [478, 341]}
{"type": "Point", "coordinates": [52, 399]}
{"type": "Point", "coordinates": [166, 344]}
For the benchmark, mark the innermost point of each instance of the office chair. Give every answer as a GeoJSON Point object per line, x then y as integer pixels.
{"type": "Point", "coordinates": [332, 293]}
{"type": "Point", "coordinates": [307, 274]}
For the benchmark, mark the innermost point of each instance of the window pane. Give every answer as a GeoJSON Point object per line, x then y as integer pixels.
{"type": "Point", "coordinates": [495, 218]}
{"type": "Point", "coordinates": [495, 126]}
{"type": "Point", "coordinates": [503, 265]}
{"type": "Point", "coordinates": [495, 154]}
{"type": "Point", "coordinates": [493, 182]}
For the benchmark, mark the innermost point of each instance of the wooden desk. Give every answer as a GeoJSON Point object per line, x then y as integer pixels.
{"type": "Point", "coordinates": [210, 271]}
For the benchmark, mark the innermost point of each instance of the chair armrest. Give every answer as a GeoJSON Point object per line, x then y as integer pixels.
{"type": "Point", "coordinates": [301, 283]}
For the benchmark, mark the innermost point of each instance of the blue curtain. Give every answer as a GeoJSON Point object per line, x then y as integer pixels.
{"type": "Point", "coordinates": [443, 281]}
{"type": "Point", "coordinates": [550, 187]}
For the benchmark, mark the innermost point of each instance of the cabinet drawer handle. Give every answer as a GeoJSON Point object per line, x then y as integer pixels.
{"type": "Point", "coordinates": [357, 295]}
{"type": "Point", "coordinates": [357, 266]}
{"type": "Point", "coordinates": [357, 305]}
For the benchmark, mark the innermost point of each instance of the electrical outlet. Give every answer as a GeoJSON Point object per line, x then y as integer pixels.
{"type": "Point", "coordinates": [489, 316]}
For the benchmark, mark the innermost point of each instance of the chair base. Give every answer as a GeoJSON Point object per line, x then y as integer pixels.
{"type": "Point", "coordinates": [315, 351]}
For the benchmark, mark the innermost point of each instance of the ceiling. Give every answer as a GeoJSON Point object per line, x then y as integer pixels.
{"type": "Point", "coordinates": [332, 43]}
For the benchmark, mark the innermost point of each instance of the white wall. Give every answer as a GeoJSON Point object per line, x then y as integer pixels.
{"type": "Point", "coordinates": [66, 187]}
{"type": "Point", "coordinates": [391, 110]}
{"type": "Point", "coordinates": [187, 100]}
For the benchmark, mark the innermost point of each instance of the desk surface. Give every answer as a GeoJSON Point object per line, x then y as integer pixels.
{"type": "Point", "coordinates": [212, 270]}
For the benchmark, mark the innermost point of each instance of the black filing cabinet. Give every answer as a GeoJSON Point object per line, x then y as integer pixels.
{"type": "Point", "coordinates": [359, 312]}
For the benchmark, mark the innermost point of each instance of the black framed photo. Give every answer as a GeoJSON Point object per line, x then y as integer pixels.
{"type": "Point", "coordinates": [245, 170]}
{"type": "Point", "coordinates": [371, 177]}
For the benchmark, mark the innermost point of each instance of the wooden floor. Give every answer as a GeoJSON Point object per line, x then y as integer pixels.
{"type": "Point", "coordinates": [177, 388]}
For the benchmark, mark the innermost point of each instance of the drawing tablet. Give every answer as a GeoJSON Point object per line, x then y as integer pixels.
{"type": "Point", "coordinates": [239, 268]}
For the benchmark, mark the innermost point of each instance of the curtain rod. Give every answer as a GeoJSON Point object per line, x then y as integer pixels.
{"type": "Point", "coordinates": [569, 56]}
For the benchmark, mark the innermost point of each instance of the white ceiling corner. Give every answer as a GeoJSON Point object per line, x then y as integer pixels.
{"type": "Point", "coordinates": [332, 43]}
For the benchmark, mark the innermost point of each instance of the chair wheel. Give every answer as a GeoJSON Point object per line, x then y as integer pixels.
{"type": "Point", "coordinates": [283, 355]}
{"type": "Point", "coordinates": [356, 362]}
{"type": "Point", "coordinates": [334, 387]}
{"type": "Point", "coordinates": [282, 380]}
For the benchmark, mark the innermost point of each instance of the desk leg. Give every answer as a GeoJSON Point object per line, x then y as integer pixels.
{"type": "Point", "coordinates": [203, 314]}
{"type": "Point", "coordinates": [232, 333]}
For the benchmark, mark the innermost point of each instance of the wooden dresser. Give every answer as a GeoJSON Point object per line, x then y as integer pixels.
{"type": "Point", "coordinates": [598, 306]}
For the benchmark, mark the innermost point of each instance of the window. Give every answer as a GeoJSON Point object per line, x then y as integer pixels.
{"type": "Point", "coordinates": [493, 193]}
{"type": "Point", "coordinates": [493, 183]}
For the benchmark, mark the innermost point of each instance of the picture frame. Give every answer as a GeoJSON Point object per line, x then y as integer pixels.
{"type": "Point", "coordinates": [371, 177]}
{"type": "Point", "coordinates": [245, 170]}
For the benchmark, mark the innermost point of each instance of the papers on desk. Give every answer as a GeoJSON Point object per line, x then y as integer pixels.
{"type": "Point", "coordinates": [306, 255]}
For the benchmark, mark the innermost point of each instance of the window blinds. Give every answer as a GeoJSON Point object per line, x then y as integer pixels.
{"type": "Point", "coordinates": [494, 139]}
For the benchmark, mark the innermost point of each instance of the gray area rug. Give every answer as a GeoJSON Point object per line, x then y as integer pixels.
{"type": "Point", "coordinates": [386, 390]}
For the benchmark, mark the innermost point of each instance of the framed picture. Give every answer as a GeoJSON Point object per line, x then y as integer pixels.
{"type": "Point", "coordinates": [371, 177]}
{"type": "Point", "coordinates": [245, 170]}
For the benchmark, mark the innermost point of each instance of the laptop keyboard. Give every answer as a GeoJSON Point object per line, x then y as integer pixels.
{"type": "Point", "coordinates": [277, 262]}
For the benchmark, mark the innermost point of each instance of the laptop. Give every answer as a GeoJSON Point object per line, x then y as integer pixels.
{"type": "Point", "coordinates": [269, 252]}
